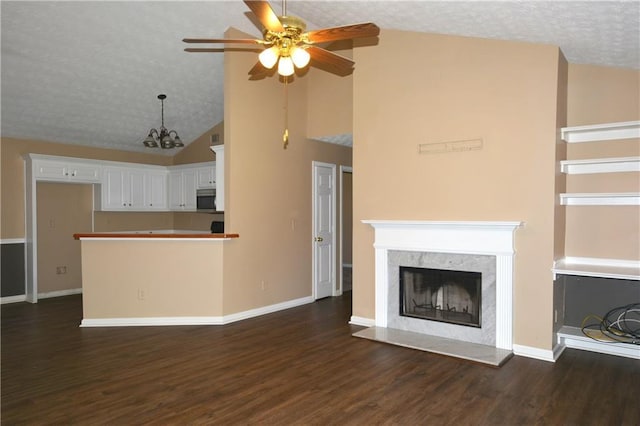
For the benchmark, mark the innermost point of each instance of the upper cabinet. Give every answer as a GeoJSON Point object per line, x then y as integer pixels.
{"type": "Point", "coordinates": [185, 180]}
{"type": "Point", "coordinates": [182, 189]}
{"type": "Point", "coordinates": [133, 189]}
{"type": "Point", "coordinates": [125, 186]}
{"type": "Point", "coordinates": [67, 170]}
{"type": "Point", "coordinates": [206, 177]}
{"type": "Point", "coordinates": [219, 173]}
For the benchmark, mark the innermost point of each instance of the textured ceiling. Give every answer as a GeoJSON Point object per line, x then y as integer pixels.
{"type": "Point", "coordinates": [89, 72]}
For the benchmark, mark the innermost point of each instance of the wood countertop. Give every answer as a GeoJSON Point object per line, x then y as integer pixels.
{"type": "Point", "coordinates": [159, 234]}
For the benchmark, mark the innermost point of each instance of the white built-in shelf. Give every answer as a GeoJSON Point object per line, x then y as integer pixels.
{"type": "Point", "coordinates": [601, 199]}
{"type": "Point", "coordinates": [600, 165]}
{"type": "Point", "coordinates": [601, 132]}
{"type": "Point", "coordinates": [597, 267]}
{"type": "Point", "coordinates": [573, 337]}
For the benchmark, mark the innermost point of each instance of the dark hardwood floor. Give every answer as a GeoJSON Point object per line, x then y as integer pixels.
{"type": "Point", "coordinates": [299, 366]}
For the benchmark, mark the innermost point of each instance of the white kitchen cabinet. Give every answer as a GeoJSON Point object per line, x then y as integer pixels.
{"type": "Point", "coordinates": [219, 173]}
{"type": "Point", "coordinates": [133, 189]}
{"type": "Point", "coordinates": [156, 190]}
{"type": "Point", "coordinates": [123, 189]}
{"type": "Point", "coordinates": [67, 171]}
{"type": "Point", "coordinates": [182, 189]}
{"type": "Point", "coordinates": [206, 177]}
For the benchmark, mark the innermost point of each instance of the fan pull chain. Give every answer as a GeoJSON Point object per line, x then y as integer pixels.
{"type": "Point", "coordinates": [285, 136]}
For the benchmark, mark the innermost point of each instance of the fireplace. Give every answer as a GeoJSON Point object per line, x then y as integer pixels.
{"type": "Point", "coordinates": [472, 263]}
{"type": "Point", "coordinates": [441, 295]}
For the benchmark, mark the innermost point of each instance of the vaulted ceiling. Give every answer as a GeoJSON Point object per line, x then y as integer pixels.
{"type": "Point", "coordinates": [89, 72]}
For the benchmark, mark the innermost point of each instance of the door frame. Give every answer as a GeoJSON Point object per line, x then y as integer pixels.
{"type": "Point", "coordinates": [343, 170]}
{"type": "Point", "coordinates": [314, 165]}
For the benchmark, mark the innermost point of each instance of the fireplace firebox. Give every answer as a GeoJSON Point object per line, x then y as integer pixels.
{"type": "Point", "coordinates": [441, 295]}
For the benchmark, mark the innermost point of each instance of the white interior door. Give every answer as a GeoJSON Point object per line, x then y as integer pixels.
{"type": "Point", "coordinates": [324, 223]}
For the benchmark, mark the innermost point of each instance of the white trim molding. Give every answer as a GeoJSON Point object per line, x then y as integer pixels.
{"type": "Point", "coordinates": [601, 199]}
{"type": "Point", "coordinates": [362, 321]}
{"type": "Point", "coordinates": [59, 293]}
{"type": "Point", "coordinates": [13, 299]}
{"type": "Point", "coordinates": [537, 353]}
{"type": "Point", "coordinates": [572, 337]}
{"type": "Point", "coordinates": [206, 320]}
{"type": "Point", "coordinates": [601, 132]}
{"type": "Point", "coordinates": [477, 237]}
{"type": "Point", "coordinates": [13, 241]}
{"type": "Point", "coordinates": [600, 165]}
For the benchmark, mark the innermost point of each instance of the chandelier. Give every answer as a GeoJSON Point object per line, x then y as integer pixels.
{"type": "Point", "coordinates": [166, 139]}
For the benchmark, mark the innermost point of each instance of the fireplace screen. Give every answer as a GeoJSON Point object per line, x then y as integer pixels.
{"type": "Point", "coordinates": [441, 295]}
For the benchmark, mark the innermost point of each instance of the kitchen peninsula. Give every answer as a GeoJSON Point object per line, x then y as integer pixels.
{"type": "Point", "coordinates": [160, 277]}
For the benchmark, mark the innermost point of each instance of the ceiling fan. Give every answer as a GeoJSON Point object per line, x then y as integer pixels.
{"type": "Point", "coordinates": [288, 45]}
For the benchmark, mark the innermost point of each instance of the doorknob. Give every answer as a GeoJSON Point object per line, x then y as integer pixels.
{"type": "Point", "coordinates": [318, 239]}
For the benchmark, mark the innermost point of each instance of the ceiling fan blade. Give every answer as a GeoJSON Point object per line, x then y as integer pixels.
{"type": "Point", "coordinates": [205, 49]}
{"type": "Point", "coordinates": [367, 29]}
{"type": "Point", "coordinates": [222, 40]}
{"type": "Point", "coordinates": [265, 15]}
{"type": "Point", "coordinates": [333, 59]}
{"type": "Point", "coordinates": [258, 72]}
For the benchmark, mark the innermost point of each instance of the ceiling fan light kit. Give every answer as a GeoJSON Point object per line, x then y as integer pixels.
{"type": "Point", "coordinates": [287, 44]}
{"type": "Point", "coordinates": [165, 139]}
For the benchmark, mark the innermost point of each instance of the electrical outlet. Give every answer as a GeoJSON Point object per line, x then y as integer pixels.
{"type": "Point", "coordinates": [52, 223]}
{"type": "Point", "coordinates": [61, 270]}
{"type": "Point", "coordinates": [263, 285]}
{"type": "Point", "coordinates": [293, 224]}
{"type": "Point", "coordinates": [141, 294]}
{"type": "Point", "coordinates": [555, 316]}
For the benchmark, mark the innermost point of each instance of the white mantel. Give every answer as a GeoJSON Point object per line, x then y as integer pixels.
{"type": "Point", "coordinates": [465, 237]}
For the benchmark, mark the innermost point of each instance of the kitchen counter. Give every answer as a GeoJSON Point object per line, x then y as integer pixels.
{"type": "Point", "coordinates": [159, 277]}
{"type": "Point", "coordinates": [176, 234]}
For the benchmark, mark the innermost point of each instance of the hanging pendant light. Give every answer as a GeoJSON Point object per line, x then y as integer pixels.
{"type": "Point", "coordinates": [164, 138]}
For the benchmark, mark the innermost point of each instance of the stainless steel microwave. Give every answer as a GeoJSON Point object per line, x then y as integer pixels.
{"type": "Point", "coordinates": [206, 199]}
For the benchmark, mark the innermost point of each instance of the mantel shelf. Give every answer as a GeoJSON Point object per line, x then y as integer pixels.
{"type": "Point", "coordinates": [601, 132]}
{"type": "Point", "coordinates": [600, 165]}
{"type": "Point", "coordinates": [600, 199]}
{"type": "Point", "coordinates": [596, 267]}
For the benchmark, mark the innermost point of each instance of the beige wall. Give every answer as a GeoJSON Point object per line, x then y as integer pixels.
{"type": "Point", "coordinates": [176, 278]}
{"type": "Point", "coordinates": [12, 195]}
{"type": "Point", "coordinates": [599, 95]}
{"type": "Point", "coordinates": [268, 187]}
{"type": "Point", "coordinates": [198, 151]}
{"type": "Point", "coordinates": [63, 209]}
{"type": "Point", "coordinates": [330, 102]}
{"type": "Point", "coordinates": [459, 88]}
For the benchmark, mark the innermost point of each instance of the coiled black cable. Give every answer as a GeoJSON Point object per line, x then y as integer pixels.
{"type": "Point", "coordinates": [619, 325]}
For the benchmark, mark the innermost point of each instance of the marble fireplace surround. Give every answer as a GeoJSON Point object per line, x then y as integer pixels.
{"type": "Point", "coordinates": [473, 245]}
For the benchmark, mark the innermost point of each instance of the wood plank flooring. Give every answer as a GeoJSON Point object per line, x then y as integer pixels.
{"type": "Point", "coordinates": [296, 367]}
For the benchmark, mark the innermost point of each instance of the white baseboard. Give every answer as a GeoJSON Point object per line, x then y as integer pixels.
{"type": "Point", "coordinates": [365, 322]}
{"type": "Point", "coordinates": [213, 320]}
{"type": "Point", "coordinates": [47, 295]}
{"type": "Point", "coordinates": [150, 321]}
{"type": "Point", "coordinates": [13, 299]}
{"type": "Point", "coordinates": [537, 353]}
{"type": "Point", "coordinates": [266, 309]}
{"type": "Point", "coordinates": [59, 293]}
